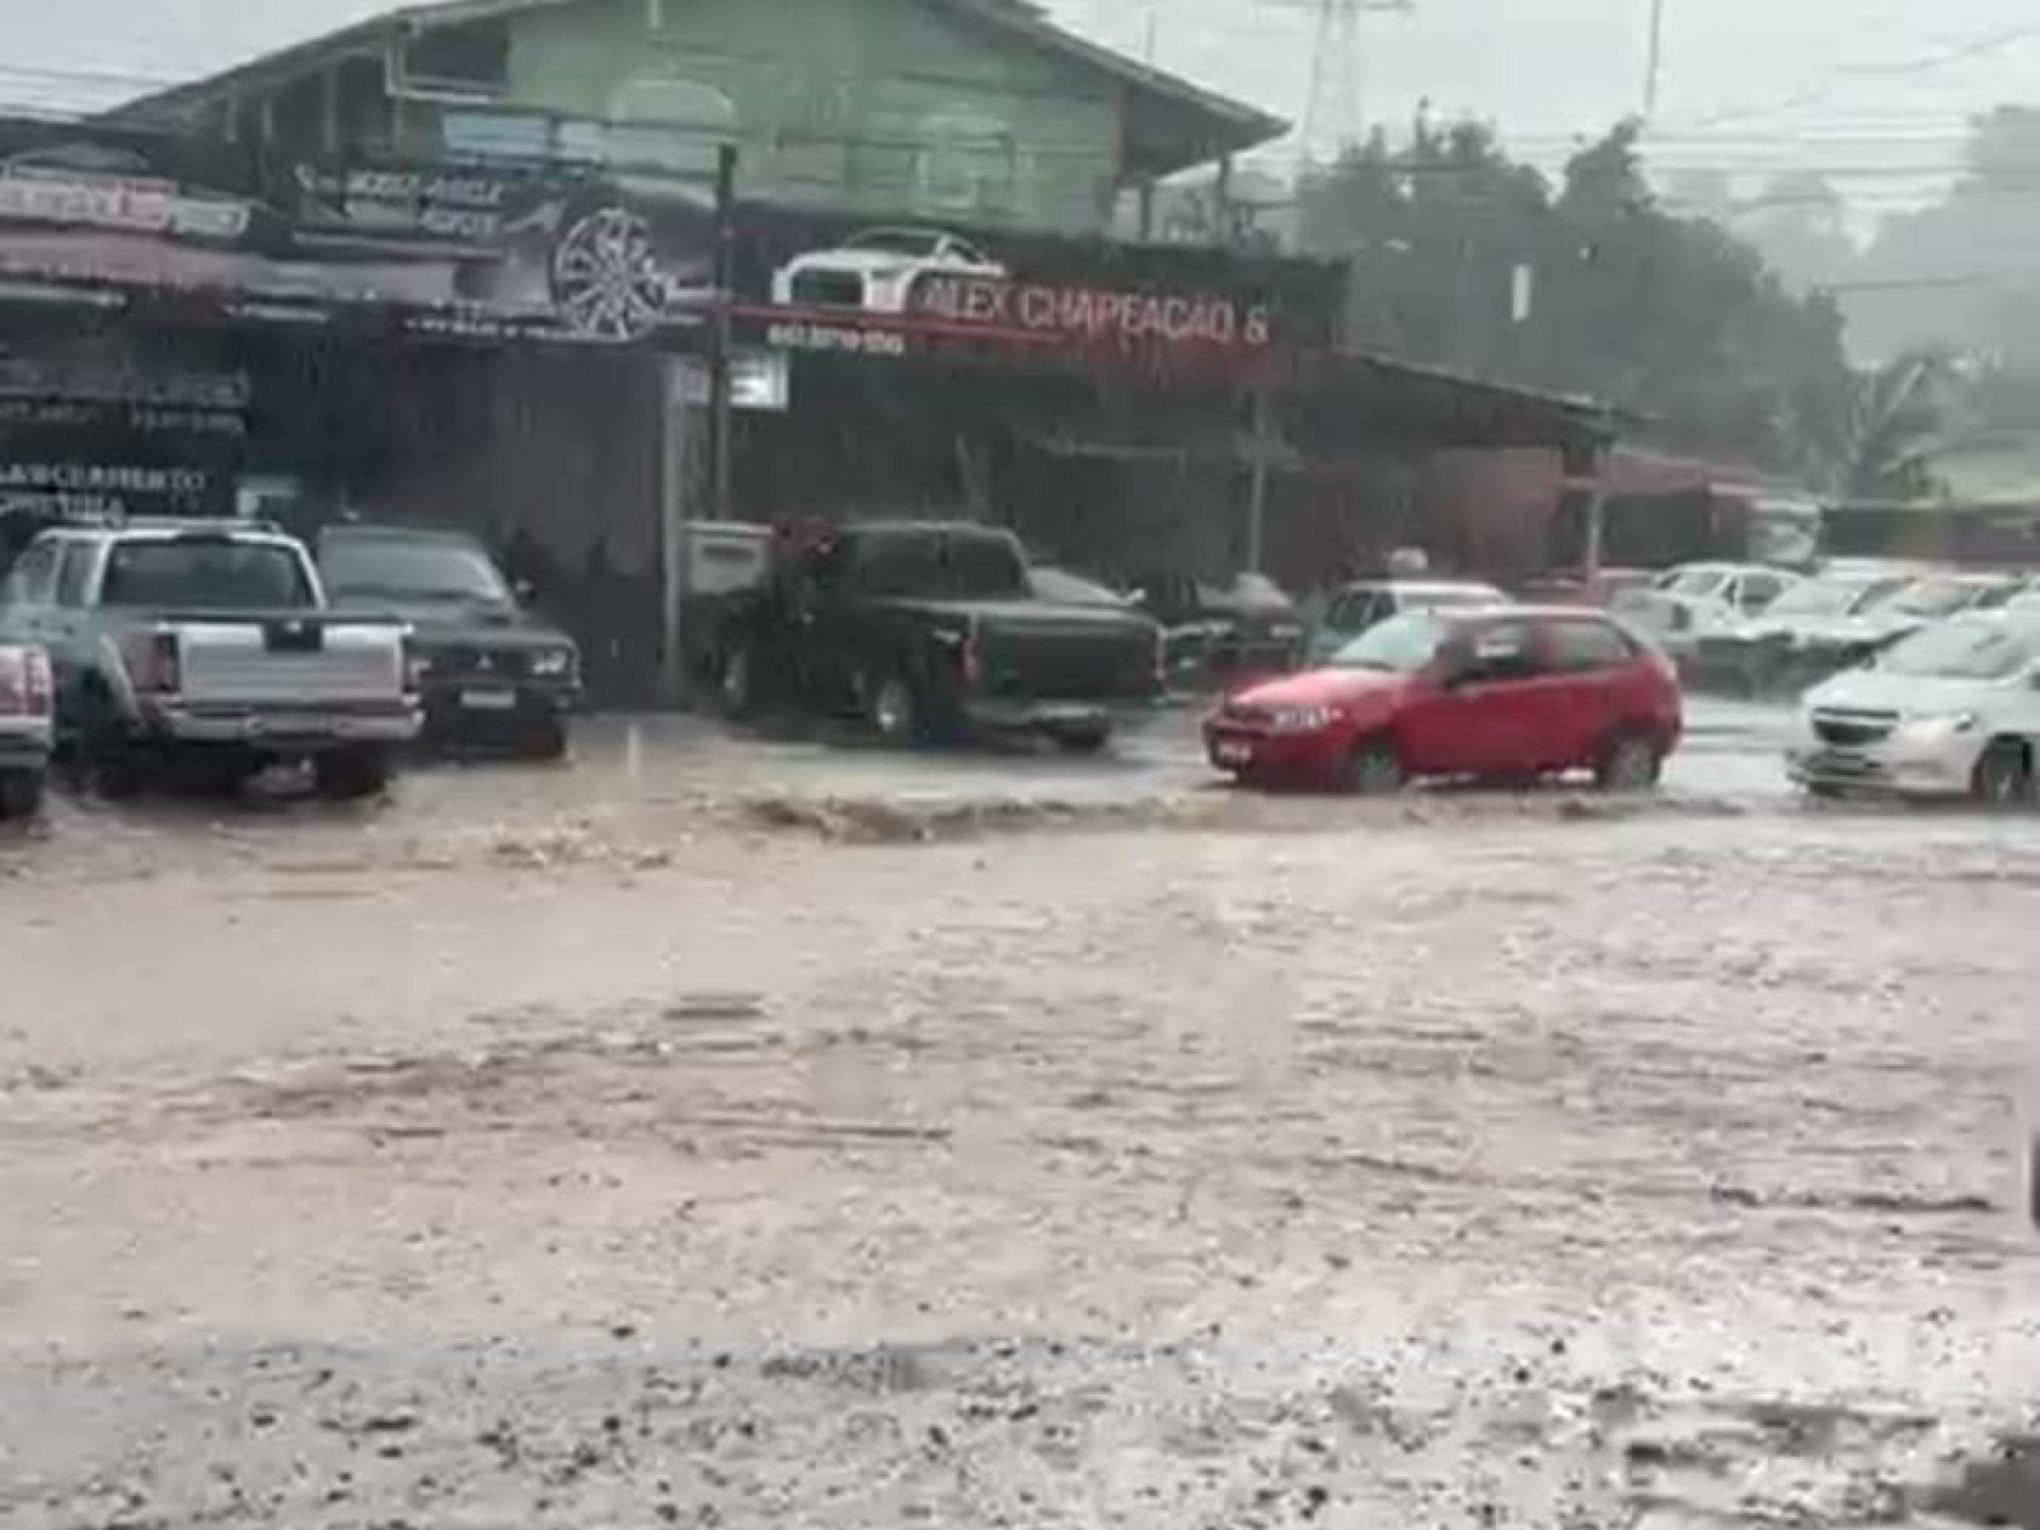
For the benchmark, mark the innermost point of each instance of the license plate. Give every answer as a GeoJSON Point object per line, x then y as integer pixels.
{"type": "Point", "coordinates": [1232, 752]}
{"type": "Point", "coordinates": [286, 726]}
{"type": "Point", "coordinates": [489, 701]}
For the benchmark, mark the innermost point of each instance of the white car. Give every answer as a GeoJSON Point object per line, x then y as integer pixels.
{"type": "Point", "coordinates": [1951, 711]}
{"type": "Point", "coordinates": [875, 271]}
{"type": "Point", "coordinates": [1356, 608]}
{"type": "Point", "coordinates": [1700, 600]}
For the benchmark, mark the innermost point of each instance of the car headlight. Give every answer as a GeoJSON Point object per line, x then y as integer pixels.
{"type": "Point", "coordinates": [1944, 726]}
{"type": "Point", "coordinates": [552, 663]}
{"type": "Point", "coordinates": [1303, 719]}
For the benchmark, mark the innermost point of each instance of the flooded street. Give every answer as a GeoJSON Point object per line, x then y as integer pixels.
{"type": "Point", "coordinates": [736, 1133]}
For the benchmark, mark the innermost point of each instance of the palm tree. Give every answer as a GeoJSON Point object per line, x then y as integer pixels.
{"type": "Point", "coordinates": [1895, 426]}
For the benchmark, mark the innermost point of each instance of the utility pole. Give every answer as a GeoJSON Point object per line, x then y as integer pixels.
{"type": "Point", "coordinates": [1655, 67]}
{"type": "Point", "coordinates": [719, 341]}
{"type": "Point", "coordinates": [1338, 62]}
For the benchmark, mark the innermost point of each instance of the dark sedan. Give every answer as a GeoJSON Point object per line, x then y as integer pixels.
{"type": "Point", "coordinates": [493, 674]}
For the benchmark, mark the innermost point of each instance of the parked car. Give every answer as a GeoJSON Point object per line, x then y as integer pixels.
{"type": "Point", "coordinates": [26, 709]}
{"type": "Point", "coordinates": [1507, 693]}
{"type": "Point", "coordinates": [1355, 608]}
{"type": "Point", "coordinates": [204, 652]}
{"type": "Point", "coordinates": [876, 270]}
{"type": "Point", "coordinates": [1060, 586]}
{"type": "Point", "coordinates": [1951, 711]}
{"type": "Point", "coordinates": [1602, 591]}
{"type": "Point", "coordinates": [491, 672]}
{"type": "Point", "coordinates": [1246, 625]}
{"type": "Point", "coordinates": [931, 630]}
{"type": "Point", "coordinates": [1688, 604]}
{"type": "Point", "coordinates": [1807, 633]}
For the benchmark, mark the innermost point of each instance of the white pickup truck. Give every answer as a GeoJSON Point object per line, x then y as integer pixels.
{"type": "Point", "coordinates": [204, 652]}
{"type": "Point", "coordinates": [25, 729]}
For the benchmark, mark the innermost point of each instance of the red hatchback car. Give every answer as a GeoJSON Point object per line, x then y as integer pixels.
{"type": "Point", "coordinates": [1503, 693]}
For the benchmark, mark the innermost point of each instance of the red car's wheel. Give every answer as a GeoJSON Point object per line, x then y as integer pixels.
{"type": "Point", "coordinates": [1374, 769]}
{"type": "Point", "coordinates": [1631, 762]}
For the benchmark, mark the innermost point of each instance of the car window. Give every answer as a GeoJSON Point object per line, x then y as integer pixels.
{"type": "Point", "coordinates": [1354, 611]}
{"type": "Point", "coordinates": [1581, 646]}
{"type": "Point", "coordinates": [28, 584]}
{"type": "Point", "coordinates": [1995, 597]}
{"type": "Point", "coordinates": [405, 568]}
{"type": "Point", "coordinates": [986, 567]}
{"type": "Point", "coordinates": [1502, 652]}
{"type": "Point", "coordinates": [1966, 649]}
{"type": "Point", "coordinates": [1835, 596]}
{"type": "Point", "coordinates": [205, 574]}
{"type": "Point", "coordinates": [1935, 597]}
{"type": "Point", "coordinates": [1258, 592]}
{"type": "Point", "coordinates": [1446, 597]}
{"type": "Point", "coordinates": [1693, 581]}
{"type": "Point", "coordinates": [1877, 594]}
{"type": "Point", "coordinates": [1402, 645]}
{"type": "Point", "coordinates": [1758, 591]}
{"type": "Point", "coordinates": [74, 574]}
{"type": "Point", "coordinates": [1061, 587]}
{"type": "Point", "coordinates": [907, 563]}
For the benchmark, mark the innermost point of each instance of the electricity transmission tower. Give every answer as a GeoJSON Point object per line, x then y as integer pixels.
{"type": "Point", "coordinates": [1335, 109]}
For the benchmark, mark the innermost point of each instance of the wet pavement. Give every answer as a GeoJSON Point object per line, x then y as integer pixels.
{"type": "Point", "coordinates": [736, 1132]}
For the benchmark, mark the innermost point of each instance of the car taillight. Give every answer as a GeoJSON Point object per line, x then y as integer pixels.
{"type": "Point", "coordinates": [415, 666]}
{"type": "Point", "coordinates": [39, 691]}
{"type": "Point", "coordinates": [971, 658]}
{"type": "Point", "coordinates": [152, 662]}
{"type": "Point", "coordinates": [24, 683]}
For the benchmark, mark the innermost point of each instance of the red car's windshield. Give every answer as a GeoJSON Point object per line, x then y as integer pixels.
{"type": "Point", "coordinates": [1401, 645]}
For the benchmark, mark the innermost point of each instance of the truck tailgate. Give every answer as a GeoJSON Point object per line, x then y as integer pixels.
{"type": "Point", "coordinates": [1067, 656]}
{"type": "Point", "coordinates": [289, 663]}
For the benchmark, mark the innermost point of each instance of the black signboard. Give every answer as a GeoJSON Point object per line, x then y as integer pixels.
{"type": "Point", "coordinates": [595, 249]}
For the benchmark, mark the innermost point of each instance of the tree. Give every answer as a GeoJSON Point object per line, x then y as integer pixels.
{"type": "Point", "coordinates": [1630, 301]}
{"type": "Point", "coordinates": [1960, 273]}
{"type": "Point", "coordinates": [1800, 223]}
{"type": "Point", "coordinates": [1896, 417]}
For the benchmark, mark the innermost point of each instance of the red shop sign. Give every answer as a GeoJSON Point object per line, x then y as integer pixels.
{"type": "Point", "coordinates": [1091, 318]}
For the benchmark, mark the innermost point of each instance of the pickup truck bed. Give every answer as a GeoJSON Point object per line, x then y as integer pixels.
{"type": "Point", "coordinates": [288, 681]}
{"type": "Point", "coordinates": [926, 629]}
{"type": "Point", "coordinates": [208, 649]}
{"type": "Point", "coordinates": [288, 658]}
{"type": "Point", "coordinates": [1037, 650]}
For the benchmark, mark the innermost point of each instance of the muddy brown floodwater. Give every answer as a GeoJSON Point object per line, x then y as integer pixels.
{"type": "Point", "coordinates": [1200, 1163]}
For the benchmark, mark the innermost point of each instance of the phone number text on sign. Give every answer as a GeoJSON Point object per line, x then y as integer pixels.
{"type": "Point", "coordinates": [827, 337]}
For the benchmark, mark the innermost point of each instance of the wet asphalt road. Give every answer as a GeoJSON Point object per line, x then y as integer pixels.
{"type": "Point", "coordinates": [746, 1133]}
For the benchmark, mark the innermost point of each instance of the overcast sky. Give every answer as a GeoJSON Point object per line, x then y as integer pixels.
{"type": "Point", "coordinates": [1871, 88]}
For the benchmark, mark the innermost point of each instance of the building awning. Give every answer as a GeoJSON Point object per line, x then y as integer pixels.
{"type": "Point", "coordinates": [1360, 398]}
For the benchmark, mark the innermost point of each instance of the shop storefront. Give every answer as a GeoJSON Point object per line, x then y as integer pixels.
{"type": "Point", "coordinates": [526, 350]}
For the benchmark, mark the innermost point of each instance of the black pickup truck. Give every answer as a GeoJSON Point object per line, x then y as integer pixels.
{"type": "Point", "coordinates": [930, 631]}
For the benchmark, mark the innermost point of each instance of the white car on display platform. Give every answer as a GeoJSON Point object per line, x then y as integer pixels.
{"type": "Point", "coordinates": [1952, 711]}
{"type": "Point", "coordinates": [875, 271]}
